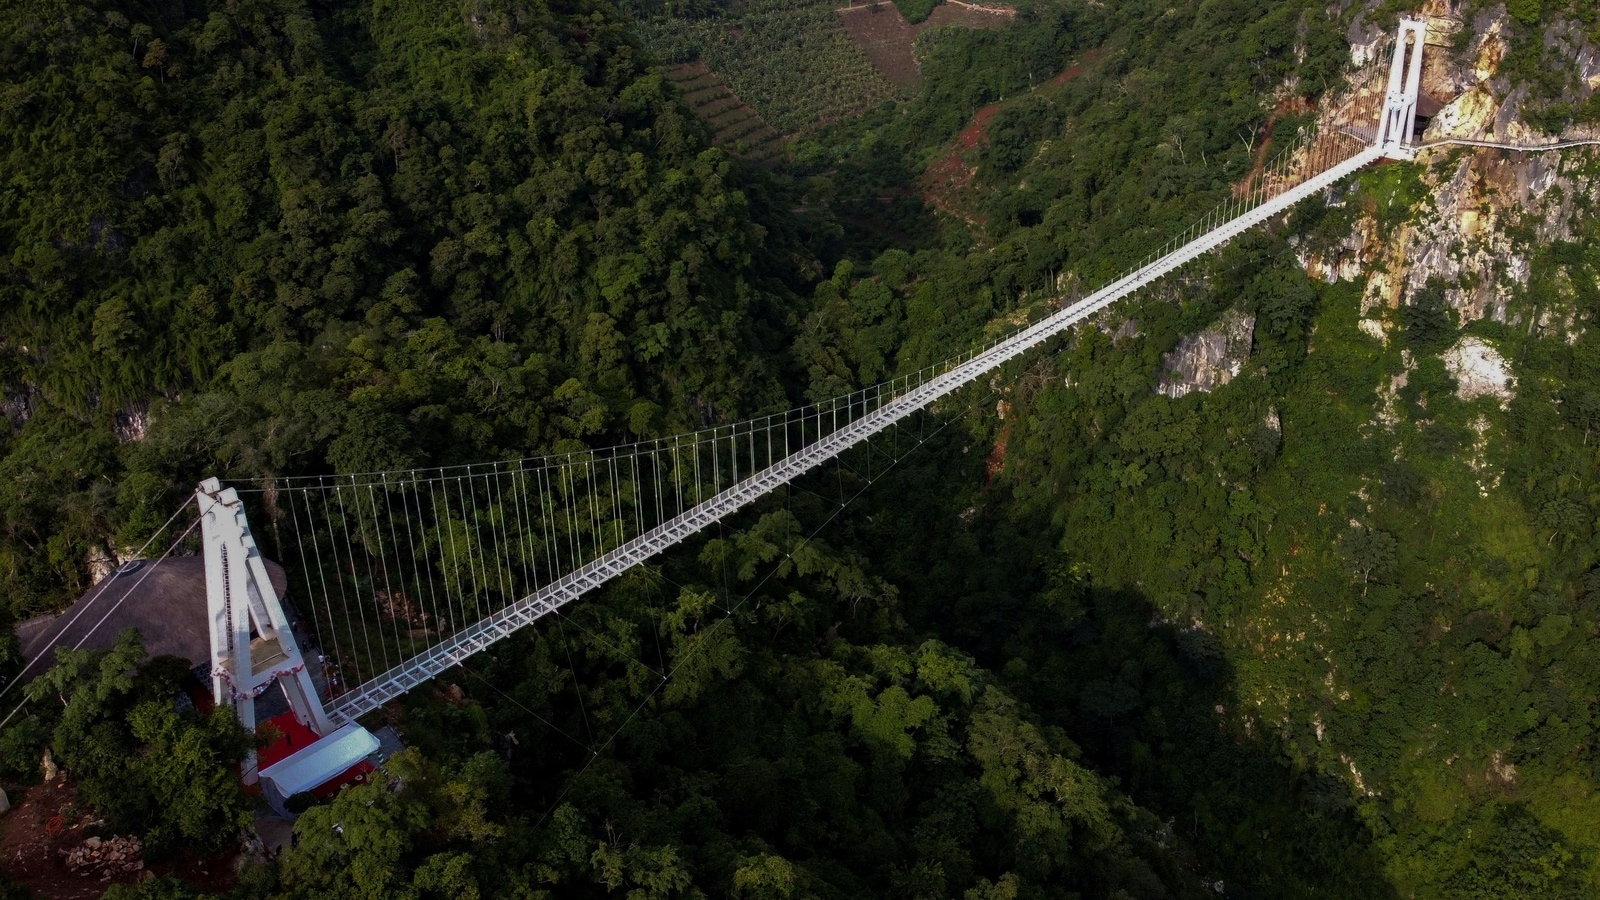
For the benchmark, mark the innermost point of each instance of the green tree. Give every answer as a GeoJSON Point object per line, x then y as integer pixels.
{"type": "Point", "coordinates": [170, 776]}
{"type": "Point", "coordinates": [1369, 552]}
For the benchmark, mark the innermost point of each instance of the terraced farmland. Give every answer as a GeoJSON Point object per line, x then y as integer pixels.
{"type": "Point", "coordinates": [789, 59]}
{"type": "Point", "coordinates": [738, 129]}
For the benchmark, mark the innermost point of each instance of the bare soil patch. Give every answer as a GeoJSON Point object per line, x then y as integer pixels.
{"type": "Point", "coordinates": [976, 133]}
{"type": "Point", "coordinates": [1293, 106]}
{"type": "Point", "coordinates": [729, 117]}
{"type": "Point", "coordinates": [700, 96]}
{"type": "Point", "coordinates": [885, 36]}
{"type": "Point", "coordinates": [718, 105]}
{"type": "Point", "coordinates": [954, 12]}
{"type": "Point", "coordinates": [945, 181]}
{"type": "Point", "coordinates": [944, 184]}
{"type": "Point", "coordinates": [889, 41]}
{"type": "Point", "coordinates": [996, 461]}
{"type": "Point", "coordinates": [45, 830]}
{"type": "Point", "coordinates": [1070, 73]}
{"type": "Point", "coordinates": [700, 83]}
{"type": "Point", "coordinates": [43, 821]}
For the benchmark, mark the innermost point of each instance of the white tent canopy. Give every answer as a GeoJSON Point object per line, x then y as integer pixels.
{"type": "Point", "coordinates": [313, 766]}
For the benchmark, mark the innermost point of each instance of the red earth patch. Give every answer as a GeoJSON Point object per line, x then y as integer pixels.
{"type": "Point", "coordinates": [944, 181]}
{"type": "Point", "coordinates": [47, 822]}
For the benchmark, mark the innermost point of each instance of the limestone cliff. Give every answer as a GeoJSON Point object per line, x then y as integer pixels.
{"type": "Point", "coordinates": [1484, 213]}
{"type": "Point", "coordinates": [1209, 359]}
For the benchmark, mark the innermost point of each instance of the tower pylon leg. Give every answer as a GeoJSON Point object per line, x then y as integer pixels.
{"type": "Point", "coordinates": [252, 645]}
{"type": "Point", "coordinates": [1397, 129]}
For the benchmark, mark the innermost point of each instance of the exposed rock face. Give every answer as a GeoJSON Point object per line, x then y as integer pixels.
{"type": "Point", "coordinates": [1485, 104]}
{"type": "Point", "coordinates": [1367, 41]}
{"type": "Point", "coordinates": [1210, 359]}
{"type": "Point", "coordinates": [1464, 239]}
{"type": "Point", "coordinates": [132, 423]}
{"type": "Point", "coordinates": [1589, 67]}
{"type": "Point", "coordinates": [105, 857]}
{"type": "Point", "coordinates": [1465, 232]}
{"type": "Point", "coordinates": [17, 406]}
{"type": "Point", "coordinates": [1471, 115]}
{"type": "Point", "coordinates": [1567, 39]}
{"type": "Point", "coordinates": [101, 565]}
{"type": "Point", "coordinates": [1479, 370]}
{"type": "Point", "coordinates": [1342, 262]}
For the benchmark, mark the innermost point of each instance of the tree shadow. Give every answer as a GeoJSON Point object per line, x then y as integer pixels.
{"type": "Point", "coordinates": [1151, 704]}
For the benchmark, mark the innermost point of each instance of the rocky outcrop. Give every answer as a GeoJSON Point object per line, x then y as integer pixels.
{"type": "Point", "coordinates": [1368, 42]}
{"type": "Point", "coordinates": [1465, 238]}
{"type": "Point", "coordinates": [1479, 370]}
{"type": "Point", "coordinates": [17, 405]}
{"type": "Point", "coordinates": [105, 857]}
{"type": "Point", "coordinates": [101, 565]}
{"type": "Point", "coordinates": [132, 423]}
{"type": "Point", "coordinates": [1482, 103]}
{"type": "Point", "coordinates": [1481, 205]}
{"type": "Point", "coordinates": [1210, 359]}
{"type": "Point", "coordinates": [1568, 41]}
{"type": "Point", "coordinates": [1345, 260]}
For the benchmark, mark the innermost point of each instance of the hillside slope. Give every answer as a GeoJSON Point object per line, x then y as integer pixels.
{"type": "Point", "coordinates": [1279, 582]}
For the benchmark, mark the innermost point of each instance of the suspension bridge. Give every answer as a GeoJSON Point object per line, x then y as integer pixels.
{"type": "Point", "coordinates": [399, 576]}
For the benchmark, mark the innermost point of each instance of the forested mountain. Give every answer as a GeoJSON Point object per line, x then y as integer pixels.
{"type": "Point", "coordinates": [1324, 627]}
{"type": "Point", "coordinates": [342, 235]}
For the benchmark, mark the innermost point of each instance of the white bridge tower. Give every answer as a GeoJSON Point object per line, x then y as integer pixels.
{"type": "Point", "coordinates": [252, 644]}
{"type": "Point", "coordinates": [1397, 130]}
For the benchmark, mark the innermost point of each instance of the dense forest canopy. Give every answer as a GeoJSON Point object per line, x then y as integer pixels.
{"type": "Point", "coordinates": [337, 236]}
{"type": "Point", "coordinates": [1087, 641]}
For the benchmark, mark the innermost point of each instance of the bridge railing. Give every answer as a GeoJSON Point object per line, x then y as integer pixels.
{"type": "Point", "coordinates": [409, 573]}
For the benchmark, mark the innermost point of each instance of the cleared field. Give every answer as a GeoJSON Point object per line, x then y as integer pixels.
{"type": "Point", "coordinates": [969, 15]}
{"type": "Point", "coordinates": [885, 36]}
{"type": "Point", "coordinates": [889, 41]}
{"type": "Point", "coordinates": [736, 127]}
{"type": "Point", "coordinates": [946, 181]}
{"type": "Point", "coordinates": [791, 60]}
{"type": "Point", "coordinates": [706, 82]}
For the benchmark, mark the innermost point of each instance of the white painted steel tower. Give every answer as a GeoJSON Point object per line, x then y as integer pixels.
{"type": "Point", "coordinates": [252, 643]}
{"type": "Point", "coordinates": [1397, 130]}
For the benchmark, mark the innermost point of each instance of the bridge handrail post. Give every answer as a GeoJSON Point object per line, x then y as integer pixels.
{"type": "Point", "coordinates": [908, 393]}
